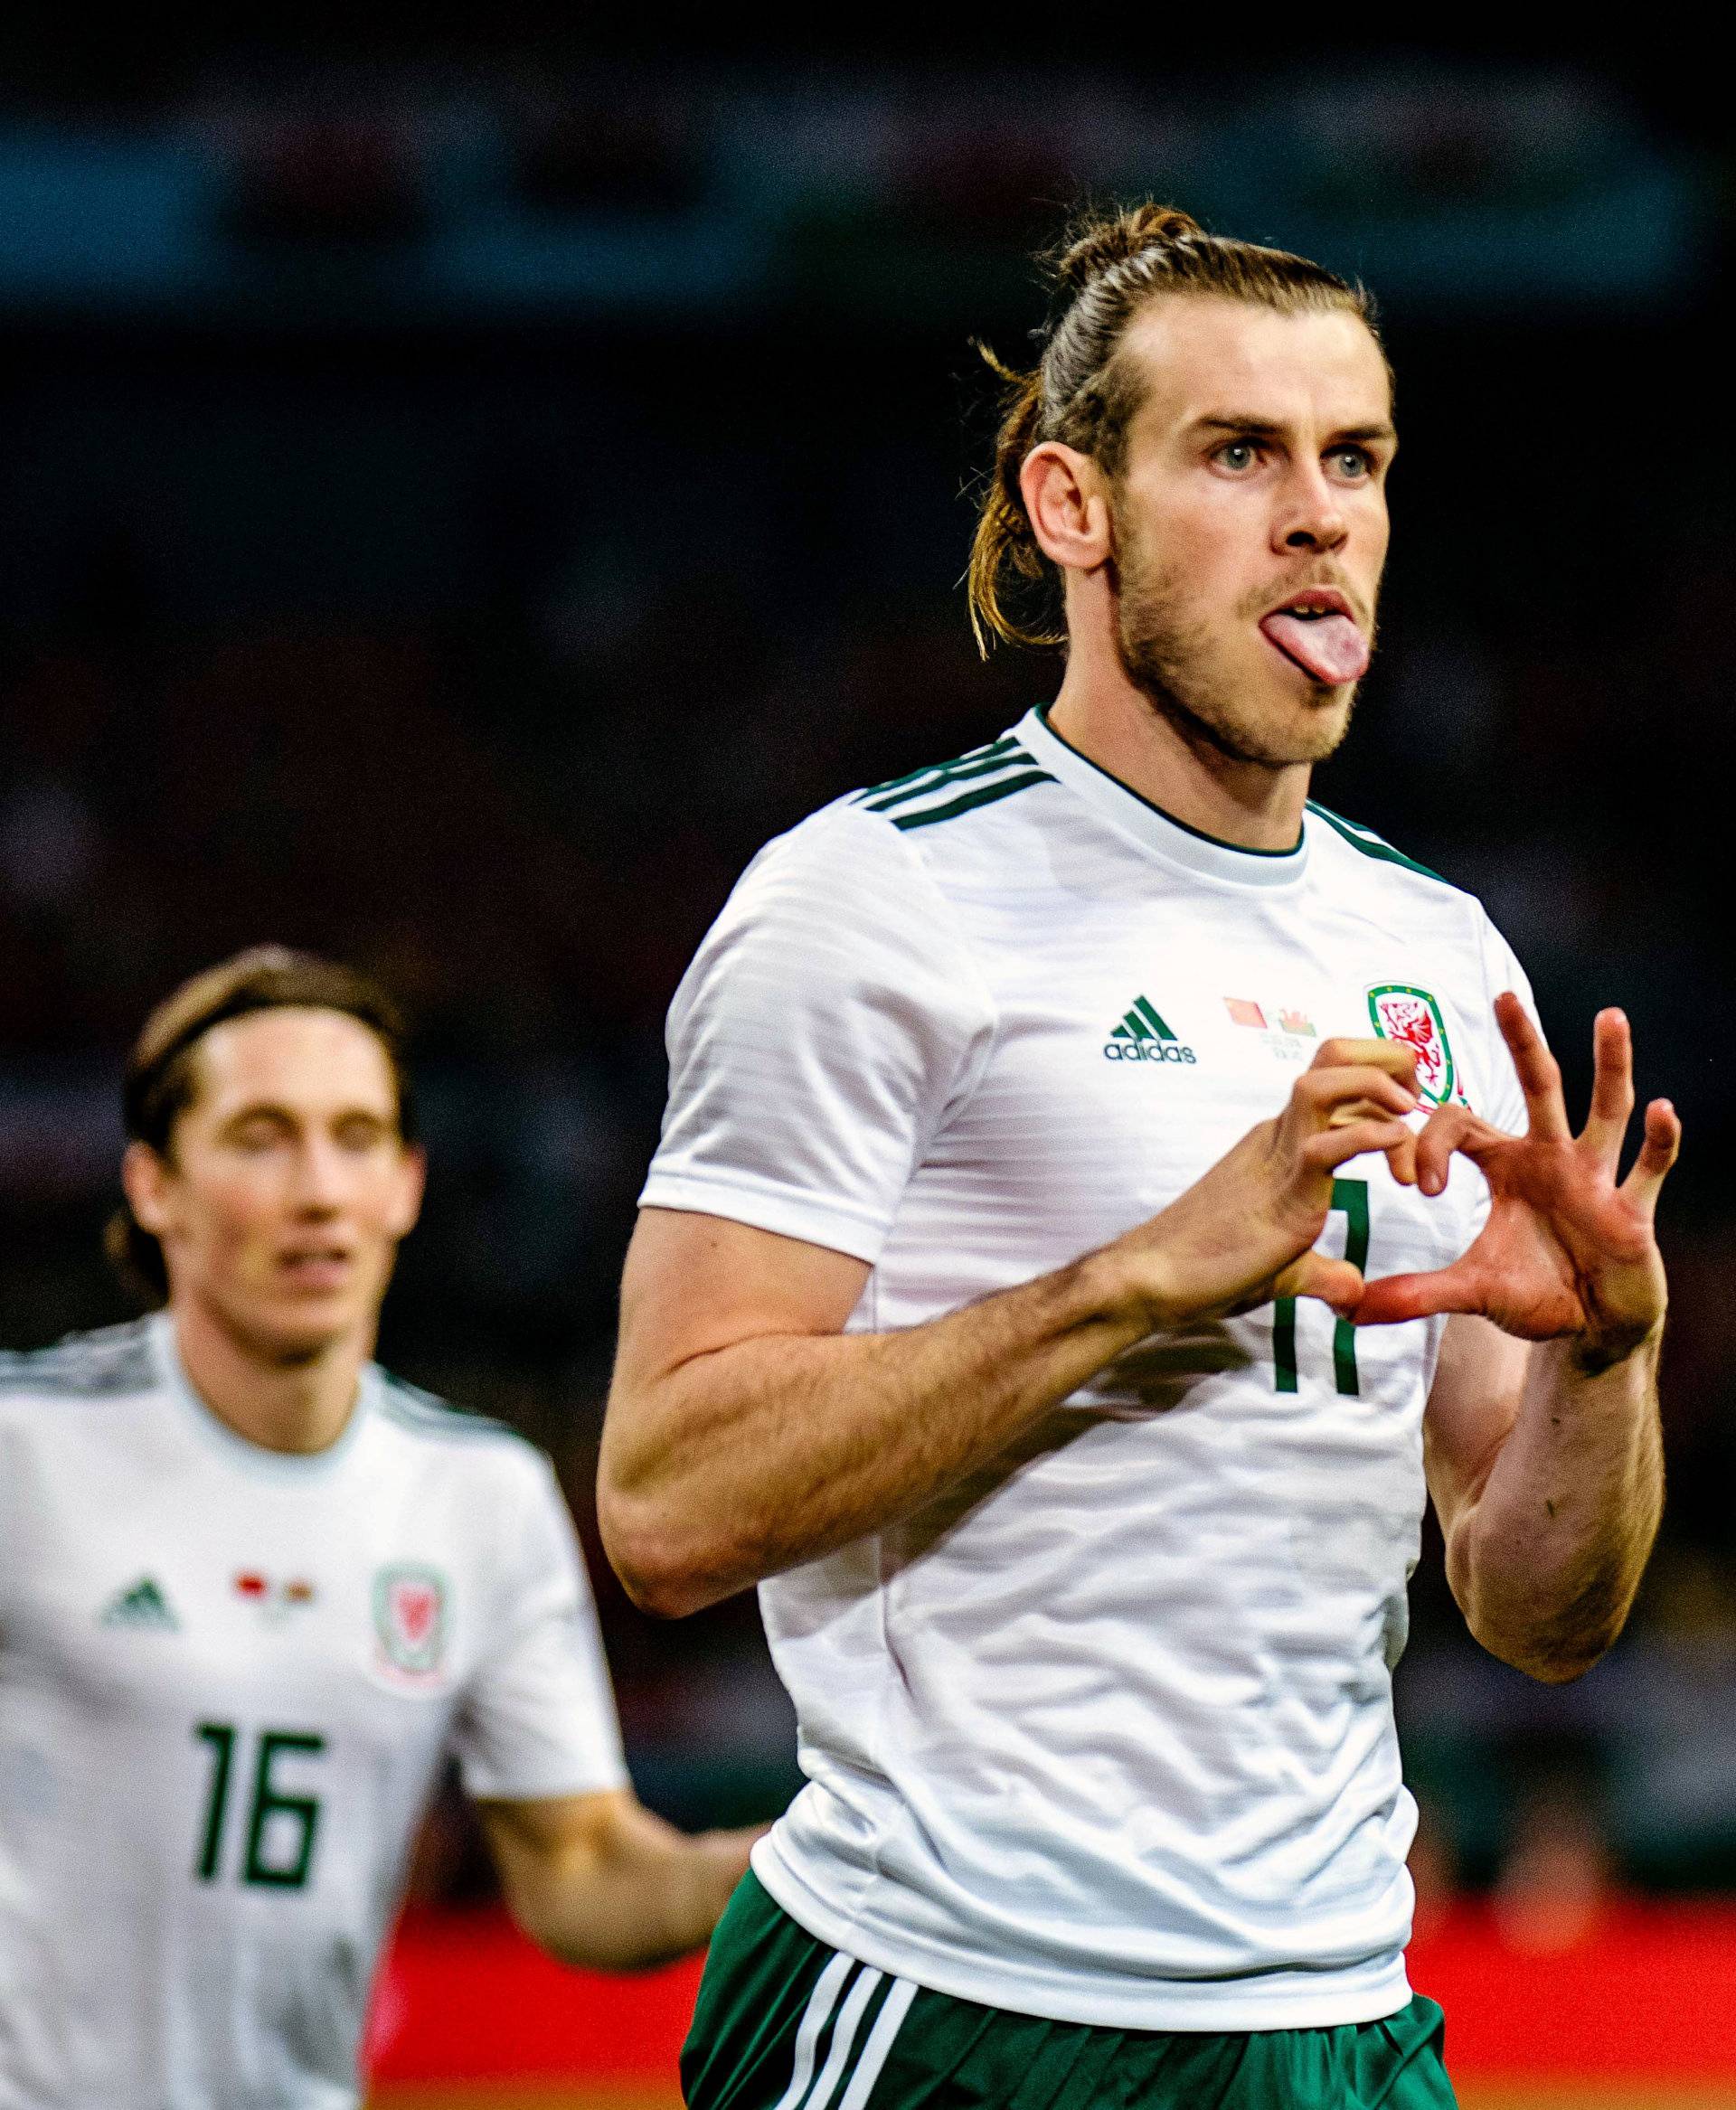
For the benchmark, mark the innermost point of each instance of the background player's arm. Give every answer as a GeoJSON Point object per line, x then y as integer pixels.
{"type": "Point", "coordinates": [598, 1880]}
{"type": "Point", "coordinates": [1542, 1438]}
{"type": "Point", "coordinates": [747, 1434]}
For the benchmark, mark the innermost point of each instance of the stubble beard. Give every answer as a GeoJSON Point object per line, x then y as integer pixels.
{"type": "Point", "coordinates": [1176, 664]}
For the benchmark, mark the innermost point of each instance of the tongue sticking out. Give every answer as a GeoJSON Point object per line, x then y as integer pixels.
{"type": "Point", "coordinates": [1329, 647]}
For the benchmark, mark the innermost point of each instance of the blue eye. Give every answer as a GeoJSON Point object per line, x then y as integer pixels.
{"type": "Point", "coordinates": [1237, 453]}
{"type": "Point", "coordinates": [1353, 461]}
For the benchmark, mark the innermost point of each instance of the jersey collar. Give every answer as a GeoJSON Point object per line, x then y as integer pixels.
{"type": "Point", "coordinates": [230, 1442]}
{"type": "Point", "coordinates": [1174, 840]}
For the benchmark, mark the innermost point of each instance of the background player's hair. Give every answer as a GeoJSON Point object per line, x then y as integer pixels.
{"type": "Point", "coordinates": [1110, 262]}
{"type": "Point", "coordinates": [161, 1077]}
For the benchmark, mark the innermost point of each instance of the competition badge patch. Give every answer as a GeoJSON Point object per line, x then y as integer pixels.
{"type": "Point", "coordinates": [410, 1619]}
{"type": "Point", "coordinates": [1401, 1012]}
{"type": "Point", "coordinates": [275, 1601]}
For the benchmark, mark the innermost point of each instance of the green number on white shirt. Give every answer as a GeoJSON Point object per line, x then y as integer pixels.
{"type": "Point", "coordinates": [1351, 1198]}
{"type": "Point", "coordinates": [299, 1811]}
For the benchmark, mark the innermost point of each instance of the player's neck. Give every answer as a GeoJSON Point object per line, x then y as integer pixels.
{"type": "Point", "coordinates": [1251, 804]}
{"type": "Point", "coordinates": [299, 1404]}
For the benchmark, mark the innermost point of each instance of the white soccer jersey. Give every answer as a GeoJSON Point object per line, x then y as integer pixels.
{"type": "Point", "coordinates": [1107, 1734]}
{"type": "Point", "coordinates": [227, 1680]}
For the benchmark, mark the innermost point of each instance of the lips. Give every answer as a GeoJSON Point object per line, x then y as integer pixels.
{"type": "Point", "coordinates": [321, 1267]}
{"type": "Point", "coordinates": [1316, 632]}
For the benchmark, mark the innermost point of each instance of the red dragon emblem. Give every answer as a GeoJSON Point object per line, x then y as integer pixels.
{"type": "Point", "coordinates": [1413, 1017]}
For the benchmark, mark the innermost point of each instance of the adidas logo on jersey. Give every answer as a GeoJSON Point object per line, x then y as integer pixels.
{"type": "Point", "coordinates": [1143, 1036]}
{"type": "Point", "coordinates": [142, 1604]}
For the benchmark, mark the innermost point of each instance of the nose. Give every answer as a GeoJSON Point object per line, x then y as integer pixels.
{"type": "Point", "coordinates": [319, 1189]}
{"type": "Point", "coordinates": [1311, 516]}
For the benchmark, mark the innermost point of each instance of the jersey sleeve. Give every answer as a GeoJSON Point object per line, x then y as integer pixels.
{"type": "Point", "coordinates": [1501, 970]}
{"type": "Point", "coordinates": [538, 1717]}
{"type": "Point", "coordinates": [831, 1016]}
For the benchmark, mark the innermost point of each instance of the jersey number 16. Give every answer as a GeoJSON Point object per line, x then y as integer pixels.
{"type": "Point", "coordinates": [287, 1821]}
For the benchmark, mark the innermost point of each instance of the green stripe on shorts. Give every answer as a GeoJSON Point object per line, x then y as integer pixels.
{"type": "Point", "coordinates": [784, 2023]}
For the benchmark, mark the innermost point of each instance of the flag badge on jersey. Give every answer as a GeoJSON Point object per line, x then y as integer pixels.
{"type": "Point", "coordinates": [1413, 1017]}
{"type": "Point", "coordinates": [276, 1600]}
{"type": "Point", "coordinates": [1244, 1012]}
{"type": "Point", "coordinates": [410, 1619]}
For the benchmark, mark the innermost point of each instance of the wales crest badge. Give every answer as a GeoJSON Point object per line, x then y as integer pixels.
{"type": "Point", "coordinates": [1401, 1012]}
{"type": "Point", "coordinates": [410, 1619]}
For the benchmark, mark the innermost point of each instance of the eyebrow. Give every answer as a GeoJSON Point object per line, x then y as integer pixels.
{"type": "Point", "coordinates": [277, 1110]}
{"type": "Point", "coordinates": [1269, 428]}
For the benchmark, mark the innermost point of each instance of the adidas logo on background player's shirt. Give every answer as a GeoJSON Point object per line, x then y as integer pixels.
{"type": "Point", "coordinates": [144, 1605]}
{"type": "Point", "coordinates": [1106, 1736]}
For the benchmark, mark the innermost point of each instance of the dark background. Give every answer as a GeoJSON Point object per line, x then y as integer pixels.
{"type": "Point", "coordinates": [462, 494]}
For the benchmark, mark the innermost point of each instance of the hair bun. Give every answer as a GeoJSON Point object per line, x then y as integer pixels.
{"type": "Point", "coordinates": [1108, 243]}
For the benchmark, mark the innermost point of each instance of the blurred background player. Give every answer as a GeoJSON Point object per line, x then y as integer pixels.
{"type": "Point", "coordinates": [1021, 1109]}
{"type": "Point", "coordinates": [252, 1591]}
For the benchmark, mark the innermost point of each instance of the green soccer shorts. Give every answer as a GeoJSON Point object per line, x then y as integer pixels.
{"type": "Point", "coordinates": [785, 2023]}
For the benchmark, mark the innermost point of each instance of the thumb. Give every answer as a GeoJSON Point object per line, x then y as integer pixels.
{"type": "Point", "coordinates": [1333, 1282]}
{"type": "Point", "coordinates": [1397, 1297]}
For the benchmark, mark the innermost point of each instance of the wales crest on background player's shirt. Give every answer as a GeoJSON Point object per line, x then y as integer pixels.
{"type": "Point", "coordinates": [410, 1618]}
{"type": "Point", "coordinates": [1401, 1012]}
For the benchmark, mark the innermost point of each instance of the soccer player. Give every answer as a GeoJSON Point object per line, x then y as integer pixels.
{"type": "Point", "coordinates": [253, 1589]}
{"type": "Point", "coordinates": [1100, 1193]}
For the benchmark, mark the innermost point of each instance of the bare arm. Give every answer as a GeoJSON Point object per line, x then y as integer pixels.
{"type": "Point", "coordinates": [1542, 1437]}
{"type": "Point", "coordinates": [746, 1434]}
{"type": "Point", "coordinates": [598, 1880]}
{"type": "Point", "coordinates": [1548, 1478]}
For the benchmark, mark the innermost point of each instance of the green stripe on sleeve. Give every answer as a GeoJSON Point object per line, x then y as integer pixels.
{"type": "Point", "coordinates": [985, 796]}
{"type": "Point", "coordinates": [954, 773]}
{"type": "Point", "coordinates": [1371, 844]}
{"type": "Point", "coordinates": [938, 769]}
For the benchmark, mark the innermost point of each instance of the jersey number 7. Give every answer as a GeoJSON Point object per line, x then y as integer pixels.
{"type": "Point", "coordinates": [1350, 1198]}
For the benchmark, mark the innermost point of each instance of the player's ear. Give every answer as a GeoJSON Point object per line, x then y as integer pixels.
{"type": "Point", "coordinates": [412, 1181]}
{"type": "Point", "coordinates": [144, 1180]}
{"type": "Point", "coordinates": [1066, 499]}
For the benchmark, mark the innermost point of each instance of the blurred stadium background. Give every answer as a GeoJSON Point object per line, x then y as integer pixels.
{"type": "Point", "coordinates": [465, 491]}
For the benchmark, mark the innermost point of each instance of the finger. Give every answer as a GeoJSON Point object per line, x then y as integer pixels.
{"type": "Point", "coordinates": [1658, 1154]}
{"type": "Point", "coordinates": [1395, 1299]}
{"type": "Point", "coordinates": [1333, 1147]}
{"type": "Point", "coordinates": [1612, 1087]}
{"type": "Point", "coordinates": [1391, 1056]}
{"type": "Point", "coordinates": [1324, 1093]}
{"type": "Point", "coordinates": [1540, 1075]}
{"type": "Point", "coordinates": [1450, 1129]}
{"type": "Point", "coordinates": [1385, 1109]}
{"type": "Point", "coordinates": [1333, 1282]}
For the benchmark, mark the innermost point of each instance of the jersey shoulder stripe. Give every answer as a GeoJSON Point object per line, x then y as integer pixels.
{"type": "Point", "coordinates": [945, 790]}
{"type": "Point", "coordinates": [1371, 844]}
{"type": "Point", "coordinates": [922, 778]}
{"type": "Point", "coordinates": [109, 1363]}
{"type": "Point", "coordinates": [987, 794]}
{"type": "Point", "coordinates": [426, 1414]}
